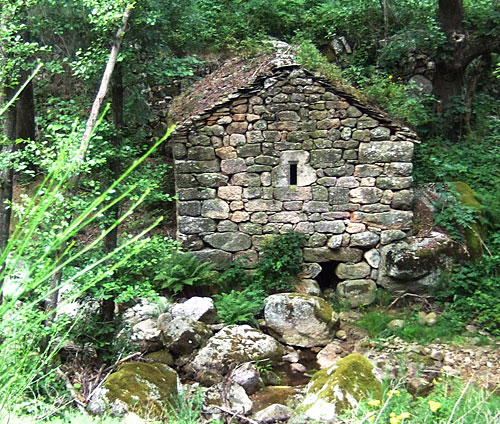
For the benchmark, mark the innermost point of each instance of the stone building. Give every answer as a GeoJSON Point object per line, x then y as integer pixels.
{"type": "Point", "coordinates": [264, 146]}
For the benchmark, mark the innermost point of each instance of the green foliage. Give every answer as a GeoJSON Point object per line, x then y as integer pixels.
{"type": "Point", "coordinates": [240, 306]}
{"type": "Point", "coordinates": [280, 262]}
{"type": "Point", "coordinates": [184, 270]}
{"type": "Point", "coordinates": [453, 215]}
{"type": "Point", "coordinates": [399, 99]}
{"type": "Point", "coordinates": [472, 291]}
{"type": "Point", "coordinates": [374, 323]}
{"type": "Point", "coordinates": [449, 402]}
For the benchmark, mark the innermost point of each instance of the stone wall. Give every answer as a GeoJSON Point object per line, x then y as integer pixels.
{"type": "Point", "coordinates": [291, 153]}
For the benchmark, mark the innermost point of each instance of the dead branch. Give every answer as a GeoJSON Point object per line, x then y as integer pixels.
{"type": "Point", "coordinates": [79, 400]}
{"type": "Point", "coordinates": [234, 414]}
{"type": "Point", "coordinates": [418, 296]}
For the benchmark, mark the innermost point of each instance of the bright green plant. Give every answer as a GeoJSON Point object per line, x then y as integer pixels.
{"type": "Point", "coordinates": [28, 344]}
{"type": "Point", "coordinates": [276, 271]}
{"type": "Point", "coordinates": [183, 269]}
{"type": "Point", "coordinates": [240, 306]}
{"type": "Point", "coordinates": [449, 402]}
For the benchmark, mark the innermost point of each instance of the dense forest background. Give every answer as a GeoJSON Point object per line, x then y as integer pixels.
{"type": "Point", "coordinates": [65, 221]}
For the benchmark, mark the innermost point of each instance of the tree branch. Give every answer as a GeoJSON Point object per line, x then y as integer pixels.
{"type": "Point", "coordinates": [94, 112]}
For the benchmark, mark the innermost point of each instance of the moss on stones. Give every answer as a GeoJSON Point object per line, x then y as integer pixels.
{"type": "Point", "coordinates": [341, 387]}
{"type": "Point", "coordinates": [145, 388]}
{"type": "Point", "coordinates": [161, 356]}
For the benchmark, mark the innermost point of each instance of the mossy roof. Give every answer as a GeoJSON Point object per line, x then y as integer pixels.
{"type": "Point", "coordinates": [242, 75]}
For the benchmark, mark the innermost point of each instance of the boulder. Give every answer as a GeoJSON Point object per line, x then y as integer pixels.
{"type": "Point", "coordinates": [145, 335]}
{"type": "Point", "coordinates": [197, 308]}
{"type": "Point", "coordinates": [340, 387]}
{"type": "Point", "coordinates": [273, 413]}
{"type": "Point", "coordinates": [183, 336]}
{"type": "Point", "coordinates": [247, 375]}
{"type": "Point", "coordinates": [144, 389]}
{"type": "Point", "coordinates": [357, 292]}
{"type": "Point", "coordinates": [232, 346]}
{"type": "Point", "coordinates": [300, 319]}
{"type": "Point", "coordinates": [415, 265]}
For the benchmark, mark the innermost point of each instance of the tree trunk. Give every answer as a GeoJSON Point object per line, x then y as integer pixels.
{"type": "Point", "coordinates": [25, 111]}
{"type": "Point", "coordinates": [7, 175]}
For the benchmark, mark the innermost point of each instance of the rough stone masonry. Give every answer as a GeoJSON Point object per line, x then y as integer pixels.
{"type": "Point", "coordinates": [279, 149]}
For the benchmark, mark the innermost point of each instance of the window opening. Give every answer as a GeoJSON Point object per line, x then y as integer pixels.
{"type": "Point", "coordinates": [293, 173]}
{"type": "Point", "coordinates": [327, 278]}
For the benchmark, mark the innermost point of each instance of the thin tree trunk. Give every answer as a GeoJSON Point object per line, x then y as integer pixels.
{"type": "Point", "coordinates": [7, 176]}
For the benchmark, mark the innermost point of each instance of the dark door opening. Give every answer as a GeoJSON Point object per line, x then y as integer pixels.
{"type": "Point", "coordinates": [327, 279]}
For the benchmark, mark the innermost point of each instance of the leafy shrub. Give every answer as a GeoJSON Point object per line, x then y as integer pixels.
{"type": "Point", "coordinates": [184, 270]}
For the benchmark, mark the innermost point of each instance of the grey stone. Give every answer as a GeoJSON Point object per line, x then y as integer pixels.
{"type": "Point", "coordinates": [212, 179]}
{"type": "Point", "coordinates": [325, 157]}
{"type": "Point", "coordinates": [394, 219]}
{"type": "Point", "coordinates": [338, 195]}
{"type": "Point", "coordinates": [332, 227]}
{"type": "Point", "coordinates": [386, 151]}
{"type": "Point", "coordinates": [372, 256]}
{"type": "Point", "coordinates": [315, 206]}
{"type": "Point", "coordinates": [190, 208]}
{"type": "Point", "coordinates": [398, 169]}
{"type": "Point", "coordinates": [357, 292]}
{"type": "Point", "coordinates": [231, 346]}
{"type": "Point", "coordinates": [287, 217]}
{"type": "Point", "coordinates": [334, 242]}
{"type": "Point", "coordinates": [300, 320]}
{"type": "Point", "coordinates": [183, 336]}
{"type": "Point", "coordinates": [364, 239]}
{"type": "Point", "coordinates": [347, 271]}
{"type": "Point", "coordinates": [195, 193]}
{"type": "Point", "coordinates": [195, 225]}
{"type": "Point", "coordinates": [227, 225]}
{"type": "Point", "coordinates": [367, 170]}
{"type": "Point", "coordinates": [248, 150]}
{"type": "Point", "coordinates": [245, 179]}
{"type": "Point", "coordinates": [233, 166]}
{"type": "Point", "coordinates": [349, 182]}
{"type": "Point", "coordinates": [230, 192]}
{"type": "Point", "coordinates": [197, 308]}
{"type": "Point", "coordinates": [365, 195]}
{"type": "Point", "coordinates": [215, 208]}
{"type": "Point", "coordinates": [201, 153]}
{"type": "Point", "coordinates": [292, 193]}
{"type": "Point", "coordinates": [327, 181]}
{"type": "Point", "coordinates": [316, 240]}
{"type": "Point", "coordinates": [380, 133]}
{"type": "Point", "coordinates": [273, 413]}
{"type": "Point", "coordinates": [250, 228]}
{"type": "Point", "coordinates": [319, 193]}
{"type": "Point", "coordinates": [394, 182]}
{"type": "Point", "coordinates": [325, 254]}
{"type": "Point", "coordinates": [388, 236]}
{"type": "Point", "coordinates": [196, 166]}
{"type": "Point", "coordinates": [247, 375]}
{"type": "Point", "coordinates": [261, 205]}
{"type": "Point", "coordinates": [366, 122]}
{"type": "Point", "coordinates": [396, 324]}
{"type": "Point", "coordinates": [402, 200]}
{"type": "Point", "coordinates": [353, 112]}
{"type": "Point", "coordinates": [218, 257]}
{"type": "Point", "coordinates": [230, 242]}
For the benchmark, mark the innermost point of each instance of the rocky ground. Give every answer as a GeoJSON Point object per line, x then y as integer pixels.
{"type": "Point", "coordinates": [264, 375]}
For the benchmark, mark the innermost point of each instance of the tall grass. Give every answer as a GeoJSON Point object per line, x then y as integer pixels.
{"type": "Point", "coordinates": [24, 321]}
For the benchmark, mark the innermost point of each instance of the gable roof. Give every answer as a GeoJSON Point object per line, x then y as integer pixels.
{"type": "Point", "coordinates": [239, 76]}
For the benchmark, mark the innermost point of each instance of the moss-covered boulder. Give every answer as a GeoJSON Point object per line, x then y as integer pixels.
{"type": "Point", "coordinates": [300, 319]}
{"type": "Point", "coordinates": [142, 388]}
{"type": "Point", "coordinates": [477, 231]}
{"type": "Point", "coordinates": [340, 387]}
